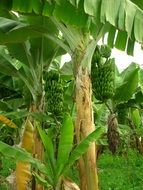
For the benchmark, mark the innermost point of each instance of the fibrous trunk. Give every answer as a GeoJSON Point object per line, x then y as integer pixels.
{"type": "Point", "coordinates": [38, 149]}
{"type": "Point", "coordinates": [84, 126]}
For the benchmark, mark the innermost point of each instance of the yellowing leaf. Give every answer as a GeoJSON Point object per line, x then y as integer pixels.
{"type": "Point", "coordinates": [7, 121]}
{"type": "Point", "coordinates": [27, 140]}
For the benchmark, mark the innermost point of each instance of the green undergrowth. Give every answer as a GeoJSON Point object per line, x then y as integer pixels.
{"type": "Point", "coordinates": [121, 172]}
{"type": "Point", "coordinates": [116, 172]}
{"type": "Point", "coordinates": [6, 167]}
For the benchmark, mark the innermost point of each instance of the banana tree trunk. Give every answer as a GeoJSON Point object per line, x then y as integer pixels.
{"type": "Point", "coordinates": [22, 173]}
{"type": "Point", "coordinates": [38, 149]}
{"type": "Point", "coordinates": [84, 126]}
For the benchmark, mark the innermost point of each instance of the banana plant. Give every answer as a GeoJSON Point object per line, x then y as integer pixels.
{"type": "Point", "coordinates": [126, 105]}
{"type": "Point", "coordinates": [95, 18]}
{"type": "Point", "coordinates": [33, 54]}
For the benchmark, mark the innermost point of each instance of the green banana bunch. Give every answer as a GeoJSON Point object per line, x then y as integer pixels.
{"type": "Point", "coordinates": [96, 55]}
{"type": "Point", "coordinates": [54, 93]}
{"type": "Point", "coordinates": [105, 51]}
{"type": "Point", "coordinates": [102, 51]}
{"type": "Point", "coordinates": [102, 77]}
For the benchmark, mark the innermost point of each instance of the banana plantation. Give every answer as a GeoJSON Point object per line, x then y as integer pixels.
{"type": "Point", "coordinates": [75, 125]}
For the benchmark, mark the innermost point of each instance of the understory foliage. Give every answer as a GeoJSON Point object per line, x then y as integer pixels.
{"type": "Point", "coordinates": [113, 170]}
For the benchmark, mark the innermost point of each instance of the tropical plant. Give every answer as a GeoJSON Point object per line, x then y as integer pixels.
{"type": "Point", "coordinates": [95, 18]}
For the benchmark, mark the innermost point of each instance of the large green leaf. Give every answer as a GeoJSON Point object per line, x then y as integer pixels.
{"type": "Point", "coordinates": [19, 34]}
{"type": "Point", "coordinates": [65, 144]}
{"type": "Point", "coordinates": [73, 15]}
{"type": "Point", "coordinates": [83, 146]}
{"type": "Point", "coordinates": [125, 18]}
{"type": "Point", "coordinates": [123, 14]}
{"type": "Point", "coordinates": [49, 8]}
{"type": "Point", "coordinates": [129, 84]}
{"type": "Point", "coordinates": [109, 11]}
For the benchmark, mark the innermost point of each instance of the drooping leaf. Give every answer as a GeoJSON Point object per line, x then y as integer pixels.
{"type": "Point", "coordinates": [138, 22]}
{"type": "Point", "coordinates": [111, 36]}
{"type": "Point", "coordinates": [19, 34]}
{"type": "Point", "coordinates": [121, 40]}
{"type": "Point", "coordinates": [130, 46]}
{"type": "Point", "coordinates": [122, 14]}
{"type": "Point", "coordinates": [109, 11]}
{"type": "Point", "coordinates": [130, 11]}
{"type": "Point", "coordinates": [21, 155]}
{"type": "Point", "coordinates": [124, 17]}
